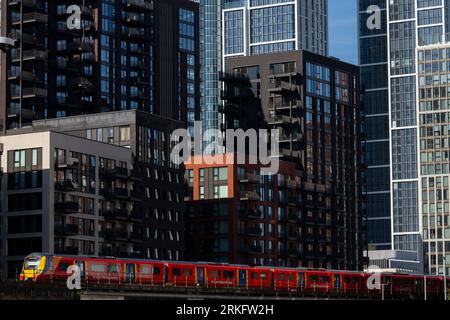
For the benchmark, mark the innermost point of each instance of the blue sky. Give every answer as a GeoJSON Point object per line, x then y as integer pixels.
{"type": "Point", "coordinates": [343, 30]}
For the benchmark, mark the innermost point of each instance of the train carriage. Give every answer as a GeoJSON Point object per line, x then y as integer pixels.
{"type": "Point", "coordinates": [42, 268]}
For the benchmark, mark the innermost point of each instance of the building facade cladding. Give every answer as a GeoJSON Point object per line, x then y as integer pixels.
{"type": "Point", "coordinates": [127, 55]}
{"type": "Point", "coordinates": [236, 215]}
{"type": "Point", "coordinates": [155, 184]}
{"type": "Point", "coordinates": [55, 198]}
{"type": "Point", "coordinates": [314, 101]}
{"type": "Point", "coordinates": [373, 60]}
{"type": "Point", "coordinates": [211, 61]}
{"type": "Point", "coordinates": [434, 129]}
{"type": "Point", "coordinates": [247, 27]}
{"type": "Point", "coordinates": [410, 24]}
{"type": "Point", "coordinates": [268, 26]}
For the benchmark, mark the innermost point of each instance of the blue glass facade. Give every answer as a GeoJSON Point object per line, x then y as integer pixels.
{"type": "Point", "coordinates": [211, 61]}
{"type": "Point", "coordinates": [373, 60]}
{"type": "Point", "coordinates": [254, 27]}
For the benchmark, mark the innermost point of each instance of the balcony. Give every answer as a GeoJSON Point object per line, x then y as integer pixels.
{"type": "Point", "coordinates": [135, 20]}
{"type": "Point", "coordinates": [66, 163]}
{"type": "Point", "coordinates": [117, 193]}
{"type": "Point", "coordinates": [254, 232]}
{"type": "Point", "coordinates": [249, 196]}
{"type": "Point", "coordinates": [235, 78]}
{"type": "Point", "coordinates": [66, 207]}
{"type": "Point", "coordinates": [24, 76]}
{"type": "Point", "coordinates": [116, 235]}
{"type": "Point", "coordinates": [139, 5]}
{"type": "Point", "coordinates": [251, 215]}
{"type": "Point", "coordinates": [255, 250]}
{"type": "Point", "coordinates": [293, 218]}
{"type": "Point", "coordinates": [17, 111]}
{"type": "Point", "coordinates": [28, 55]}
{"type": "Point", "coordinates": [135, 33]}
{"type": "Point", "coordinates": [283, 88]}
{"type": "Point", "coordinates": [81, 83]}
{"type": "Point", "coordinates": [82, 44]}
{"type": "Point", "coordinates": [280, 120]}
{"type": "Point", "coordinates": [237, 94]}
{"type": "Point", "coordinates": [249, 178]}
{"type": "Point", "coordinates": [116, 214]}
{"type": "Point", "coordinates": [66, 230]}
{"type": "Point", "coordinates": [29, 18]}
{"type": "Point", "coordinates": [28, 38]}
{"type": "Point", "coordinates": [116, 172]}
{"type": "Point", "coordinates": [66, 185]}
{"type": "Point", "coordinates": [34, 93]}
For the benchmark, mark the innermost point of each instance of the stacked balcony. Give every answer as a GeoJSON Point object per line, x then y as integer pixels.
{"type": "Point", "coordinates": [26, 74]}
{"type": "Point", "coordinates": [66, 230]}
{"type": "Point", "coordinates": [138, 5]}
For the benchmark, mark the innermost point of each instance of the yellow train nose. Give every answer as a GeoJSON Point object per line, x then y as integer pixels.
{"type": "Point", "coordinates": [29, 274]}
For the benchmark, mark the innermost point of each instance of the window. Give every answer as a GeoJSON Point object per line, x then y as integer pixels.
{"type": "Point", "coordinates": [124, 134]}
{"type": "Point", "coordinates": [34, 157]}
{"type": "Point", "coordinates": [176, 272]}
{"type": "Point", "coordinates": [214, 274]}
{"type": "Point", "coordinates": [228, 274]}
{"type": "Point", "coordinates": [19, 158]}
{"type": "Point", "coordinates": [63, 266]}
{"type": "Point", "coordinates": [97, 267]}
{"type": "Point", "coordinates": [113, 268]}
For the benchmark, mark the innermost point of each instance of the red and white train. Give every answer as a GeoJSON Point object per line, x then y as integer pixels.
{"type": "Point", "coordinates": [43, 268]}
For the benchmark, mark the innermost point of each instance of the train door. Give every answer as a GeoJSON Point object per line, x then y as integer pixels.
{"type": "Point", "coordinates": [301, 280]}
{"type": "Point", "coordinates": [166, 274]}
{"type": "Point", "coordinates": [80, 265]}
{"type": "Point", "coordinates": [242, 278]}
{"type": "Point", "coordinates": [129, 273]}
{"type": "Point", "coordinates": [337, 282]}
{"type": "Point", "coordinates": [200, 276]}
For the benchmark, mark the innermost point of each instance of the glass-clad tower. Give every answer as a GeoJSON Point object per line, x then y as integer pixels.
{"type": "Point", "coordinates": [373, 65]}
{"type": "Point", "coordinates": [245, 27]}
{"type": "Point", "coordinates": [267, 26]}
{"type": "Point", "coordinates": [407, 170]}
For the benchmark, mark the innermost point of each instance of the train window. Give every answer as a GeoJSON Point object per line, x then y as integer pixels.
{"type": "Point", "coordinates": [187, 272]}
{"type": "Point", "coordinates": [313, 278]}
{"type": "Point", "coordinates": [228, 274]}
{"type": "Point", "coordinates": [97, 267]}
{"type": "Point", "coordinates": [291, 277]}
{"type": "Point", "coordinates": [214, 274]}
{"type": "Point", "coordinates": [347, 280]}
{"type": "Point", "coordinates": [281, 277]}
{"type": "Point", "coordinates": [146, 269]}
{"type": "Point", "coordinates": [325, 279]}
{"type": "Point", "coordinates": [355, 280]}
{"type": "Point", "coordinates": [264, 275]}
{"type": "Point", "coordinates": [156, 270]}
{"type": "Point", "coordinates": [254, 276]}
{"type": "Point", "coordinates": [176, 272]}
{"type": "Point", "coordinates": [63, 266]}
{"type": "Point", "coordinates": [113, 268]}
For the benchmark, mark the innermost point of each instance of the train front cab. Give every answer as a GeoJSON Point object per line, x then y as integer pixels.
{"type": "Point", "coordinates": [35, 266]}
